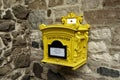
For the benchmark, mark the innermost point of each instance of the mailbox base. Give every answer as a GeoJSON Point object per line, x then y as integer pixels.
{"type": "Point", "coordinates": [80, 64]}
{"type": "Point", "coordinates": [74, 66]}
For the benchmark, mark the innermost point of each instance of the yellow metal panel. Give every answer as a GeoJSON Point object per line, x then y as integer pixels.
{"type": "Point", "coordinates": [66, 44]}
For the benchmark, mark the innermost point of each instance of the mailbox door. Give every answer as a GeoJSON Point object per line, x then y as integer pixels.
{"type": "Point", "coordinates": [58, 48]}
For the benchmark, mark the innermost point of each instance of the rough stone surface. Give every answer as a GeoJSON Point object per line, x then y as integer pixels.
{"type": "Point", "coordinates": [0, 4]}
{"type": "Point", "coordinates": [6, 38]}
{"type": "Point", "coordinates": [37, 4]}
{"type": "Point", "coordinates": [1, 45]}
{"type": "Point", "coordinates": [104, 57]}
{"type": "Point", "coordinates": [7, 26]}
{"type": "Point", "coordinates": [85, 77]}
{"type": "Point", "coordinates": [65, 10]}
{"type": "Point", "coordinates": [7, 53]}
{"type": "Point", "coordinates": [15, 34]}
{"type": "Point", "coordinates": [27, 2]}
{"type": "Point", "coordinates": [15, 76]}
{"type": "Point", "coordinates": [71, 2]}
{"type": "Point", "coordinates": [16, 51]}
{"type": "Point", "coordinates": [0, 50]}
{"type": "Point", "coordinates": [7, 3]}
{"type": "Point", "coordinates": [37, 69]}
{"type": "Point", "coordinates": [35, 34]}
{"type": "Point", "coordinates": [116, 36]}
{"type": "Point", "coordinates": [101, 34]}
{"type": "Point", "coordinates": [26, 77]}
{"type": "Point", "coordinates": [10, 3]}
{"type": "Point", "coordinates": [54, 76]}
{"type": "Point", "coordinates": [19, 42]}
{"type": "Point", "coordinates": [4, 70]}
{"type": "Point", "coordinates": [97, 47]}
{"type": "Point", "coordinates": [24, 29]}
{"type": "Point", "coordinates": [36, 18]}
{"type": "Point", "coordinates": [102, 78]}
{"type": "Point", "coordinates": [105, 16]}
{"type": "Point", "coordinates": [111, 3]}
{"type": "Point", "coordinates": [1, 61]}
{"type": "Point", "coordinates": [116, 57]}
{"type": "Point", "coordinates": [90, 4]}
{"type": "Point", "coordinates": [0, 14]}
{"type": "Point", "coordinates": [8, 15]}
{"type": "Point", "coordinates": [21, 61]}
{"type": "Point", "coordinates": [94, 63]}
{"type": "Point", "coordinates": [14, 40]}
{"type": "Point", "coordinates": [20, 12]}
{"type": "Point", "coordinates": [53, 3]}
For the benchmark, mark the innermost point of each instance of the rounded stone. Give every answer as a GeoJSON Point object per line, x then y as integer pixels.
{"type": "Point", "coordinates": [37, 69]}
{"type": "Point", "coordinates": [7, 26]}
{"type": "Point", "coordinates": [8, 15]}
{"type": "Point", "coordinates": [22, 61]}
{"type": "Point", "coordinates": [15, 34]}
{"type": "Point", "coordinates": [20, 42]}
{"type": "Point", "coordinates": [54, 76]}
{"type": "Point", "coordinates": [49, 12]}
{"type": "Point", "coordinates": [35, 44]}
{"type": "Point", "coordinates": [20, 12]}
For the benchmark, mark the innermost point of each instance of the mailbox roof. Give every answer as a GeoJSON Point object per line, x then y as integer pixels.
{"type": "Point", "coordinates": [73, 27]}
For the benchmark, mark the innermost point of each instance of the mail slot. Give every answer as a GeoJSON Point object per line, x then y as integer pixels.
{"type": "Point", "coordinates": [56, 49]}
{"type": "Point", "coordinates": [66, 43]}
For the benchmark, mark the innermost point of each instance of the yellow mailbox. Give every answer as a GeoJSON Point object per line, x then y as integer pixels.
{"type": "Point", "coordinates": [66, 44]}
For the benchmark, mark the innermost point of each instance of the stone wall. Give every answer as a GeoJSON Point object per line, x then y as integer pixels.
{"type": "Point", "coordinates": [21, 46]}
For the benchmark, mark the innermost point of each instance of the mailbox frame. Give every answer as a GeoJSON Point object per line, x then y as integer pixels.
{"type": "Point", "coordinates": [73, 38]}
